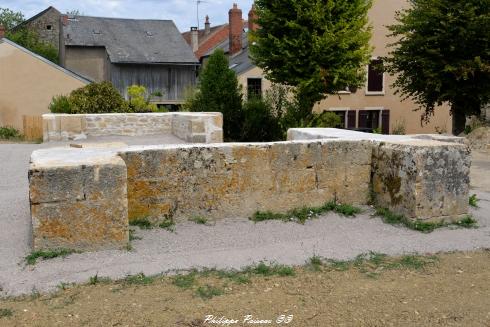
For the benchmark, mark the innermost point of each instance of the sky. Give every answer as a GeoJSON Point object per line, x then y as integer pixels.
{"type": "Point", "coordinates": [182, 12]}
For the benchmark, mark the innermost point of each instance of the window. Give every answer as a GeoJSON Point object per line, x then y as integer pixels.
{"type": "Point", "coordinates": [369, 120]}
{"type": "Point", "coordinates": [375, 80]}
{"type": "Point", "coordinates": [254, 87]}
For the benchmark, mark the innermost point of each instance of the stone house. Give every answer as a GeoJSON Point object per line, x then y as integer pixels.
{"type": "Point", "coordinates": [29, 82]}
{"type": "Point", "coordinates": [375, 106]}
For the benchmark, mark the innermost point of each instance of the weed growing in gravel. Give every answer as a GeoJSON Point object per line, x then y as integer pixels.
{"type": "Point", "coordinates": [207, 292]}
{"type": "Point", "coordinates": [142, 223]}
{"type": "Point", "coordinates": [473, 201]}
{"type": "Point", "coordinates": [133, 237]}
{"type": "Point", "coordinates": [270, 270]}
{"type": "Point", "coordinates": [301, 215]}
{"type": "Point", "coordinates": [31, 259]}
{"type": "Point", "coordinates": [168, 224]}
{"type": "Point", "coordinates": [315, 263]}
{"type": "Point", "coordinates": [425, 227]}
{"type": "Point", "coordinates": [5, 313]}
{"type": "Point", "coordinates": [94, 280]}
{"type": "Point", "coordinates": [199, 220]}
{"type": "Point", "coordinates": [139, 279]}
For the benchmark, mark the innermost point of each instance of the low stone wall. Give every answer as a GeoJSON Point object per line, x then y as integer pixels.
{"type": "Point", "coordinates": [422, 179]}
{"type": "Point", "coordinates": [190, 127]}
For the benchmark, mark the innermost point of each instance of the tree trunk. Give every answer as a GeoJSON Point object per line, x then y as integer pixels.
{"type": "Point", "coordinates": [459, 120]}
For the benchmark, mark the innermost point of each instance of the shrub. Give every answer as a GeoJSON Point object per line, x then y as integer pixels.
{"type": "Point", "coordinates": [327, 119]}
{"type": "Point", "coordinates": [60, 105]}
{"type": "Point", "coordinates": [138, 100]}
{"type": "Point", "coordinates": [399, 128]}
{"type": "Point", "coordinates": [259, 123]}
{"type": "Point", "coordinates": [97, 98]}
{"type": "Point", "coordinates": [8, 132]}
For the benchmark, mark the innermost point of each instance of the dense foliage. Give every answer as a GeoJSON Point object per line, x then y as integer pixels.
{"type": "Point", "coordinates": [101, 98]}
{"type": "Point", "coordinates": [8, 132]}
{"type": "Point", "coordinates": [443, 55]}
{"type": "Point", "coordinates": [219, 91]}
{"type": "Point", "coordinates": [25, 37]}
{"type": "Point", "coordinates": [318, 46]}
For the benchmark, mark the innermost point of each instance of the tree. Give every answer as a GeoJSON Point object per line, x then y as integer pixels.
{"type": "Point", "coordinates": [9, 18]}
{"type": "Point", "coordinates": [443, 55]}
{"type": "Point", "coordinates": [219, 92]}
{"type": "Point", "coordinates": [318, 46]}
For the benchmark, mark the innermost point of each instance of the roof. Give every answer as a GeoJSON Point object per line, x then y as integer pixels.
{"type": "Point", "coordinates": [130, 40]}
{"type": "Point", "coordinates": [37, 16]}
{"type": "Point", "coordinates": [240, 62]}
{"type": "Point", "coordinates": [46, 61]}
{"type": "Point", "coordinates": [202, 36]}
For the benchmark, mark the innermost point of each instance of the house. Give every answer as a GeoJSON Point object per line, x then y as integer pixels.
{"type": "Point", "coordinates": [151, 53]}
{"type": "Point", "coordinates": [47, 26]}
{"type": "Point", "coordinates": [203, 40]}
{"type": "Point", "coordinates": [375, 106]}
{"type": "Point", "coordinates": [29, 82]}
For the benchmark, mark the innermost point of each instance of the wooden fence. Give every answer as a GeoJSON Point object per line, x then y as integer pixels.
{"type": "Point", "coordinates": [33, 127]}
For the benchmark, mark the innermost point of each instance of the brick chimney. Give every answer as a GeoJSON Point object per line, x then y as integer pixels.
{"type": "Point", "coordinates": [2, 31]}
{"type": "Point", "coordinates": [207, 26]}
{"type": "Point", "coordinates": [194, 39]}
{"type": "Point", "coordinates": [236, 28]}
{"type": "Point", "coordinates": [252, 19]}
{"type": "Point", "coordinates": [64, 20]}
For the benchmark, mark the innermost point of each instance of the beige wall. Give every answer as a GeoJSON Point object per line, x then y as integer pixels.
{"type": "Point", "coordinates": [27, 85]}
{"type": "Point", "coordinates": [401, 112]}
{"type": "Point", "coordinates": [87, 61]}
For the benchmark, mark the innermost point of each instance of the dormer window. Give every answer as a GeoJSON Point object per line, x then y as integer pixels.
{"type": "Point", "coordinates": [97, 32]}
{"type": "Point", "coordinates": [148, 33]}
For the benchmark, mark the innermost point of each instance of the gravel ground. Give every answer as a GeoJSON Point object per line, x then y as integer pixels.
{"type": "Point", "coordinates": [233, 243]}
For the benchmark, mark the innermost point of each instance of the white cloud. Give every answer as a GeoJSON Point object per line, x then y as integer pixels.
{"type": "Point", "coordinates": [182, 12]}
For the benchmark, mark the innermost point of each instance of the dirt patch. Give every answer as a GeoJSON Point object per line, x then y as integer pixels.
{"type": "Point", "coordinates": [479, 139]}
{"type": "Point", "coordinates": [451, 290]}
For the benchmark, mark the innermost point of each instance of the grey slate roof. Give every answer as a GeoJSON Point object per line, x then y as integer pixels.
{"type": "Point", "coordinates": [130, 40]}
{"type": "Point", "coordinates": [240, 62]}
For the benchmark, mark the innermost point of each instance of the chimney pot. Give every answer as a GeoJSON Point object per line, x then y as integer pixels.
{"type": "Point", "coordinates": [236, 29]}
{"type": "Point", "coordinates": [207, 26]}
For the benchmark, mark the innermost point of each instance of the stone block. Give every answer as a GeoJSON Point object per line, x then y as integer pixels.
{"type": "Point", "coordinates": [426, 180]}
{"type": "Point", "coordinates": [78, 204]}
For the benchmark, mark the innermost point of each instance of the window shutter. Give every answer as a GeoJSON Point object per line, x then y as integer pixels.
{"type": "Point", "coordinates": [375, 76]}
{"type": "Point", "coordinates": [363, 115]}
{"type": "Point", "coordinates": [385, 122]}
{"type": "Point", "coordinates": [351, 119]}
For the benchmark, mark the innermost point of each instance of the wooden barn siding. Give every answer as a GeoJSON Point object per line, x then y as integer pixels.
{"type": "Point", "coordinates": [173, 80]}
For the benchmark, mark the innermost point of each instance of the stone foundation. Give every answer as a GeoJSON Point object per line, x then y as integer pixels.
{"type": "Point", "coordinates": [79, 199]}
{"type": "Point", "coordinates": [190, 127]}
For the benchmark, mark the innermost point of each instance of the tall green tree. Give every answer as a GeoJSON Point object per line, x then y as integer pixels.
{"type": "Point", "coordinates": [318, 46]}
{"type": "Point", "coordinates": [219, 91]}
{"type": "Point", "coordinates": [9, 18]}
{"type": "Point", "coordinates": [443, 55]}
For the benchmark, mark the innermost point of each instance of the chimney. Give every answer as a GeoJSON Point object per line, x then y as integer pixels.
{"type": "Point", "coordinates": [207, 26]}
{"type": "Point", "coordinates": [236, 28]}
{"type": "Point", "coordinates": [194, 39]}
{"type": "Point", "coordinates": [2, 31]}
{"type": "Point", "coordinates": [64, 20]}
{"type": "Point", "coordinates": [252, 19]}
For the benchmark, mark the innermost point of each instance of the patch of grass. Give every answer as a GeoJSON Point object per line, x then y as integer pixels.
{"type": "Point", "coordinates": [339, 265]}
{"type": "Point", "coordinates": [467, 222]}
{"type": "Point", "coordinates": [64, 286]}
{"type": "Point", "coordinates": [94, 280]}
{"type": "Point", "coordinates": [168, 224]}
{"type": "Point", "coordinates": [473, 201]}
{"type": "Point", "coordinates": [133, 237]}
{"type": "Point", "coordinates": [8, 133]}
{"type": "Point", "coordinates": [185, 281]}
{"type": "Point", "coordinates": [207, 292]}
{"type": "Point", "coordinates": [142, 223]}
{"type": "Point", "coordinates": [5, 313]}
{"type": "Point", "coordinates": [139, 279]}
{"type": "Point", "coordinates": [200, 220]}
{"type": "Point", "coordinates": [315, 263]}
{"type": "Point", "coordinates": [301, 215]}
{"type": "Point", "coordinates": [270, 270]}
{"type": "Point", "coordinates": [32, 258]}
{"type": "Point", "coordinates": [422, 226]}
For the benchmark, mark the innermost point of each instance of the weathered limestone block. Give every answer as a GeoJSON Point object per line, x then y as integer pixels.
{"type": "Point", "coordinates": [78, 200]}
{"type": "Point", "coordinates": [425, 180]}
{"type": "Point", "coordinates": [235, 180]}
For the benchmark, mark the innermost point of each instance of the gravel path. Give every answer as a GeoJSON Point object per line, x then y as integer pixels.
{"type": "Point", "coordinates": [230, 244]}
